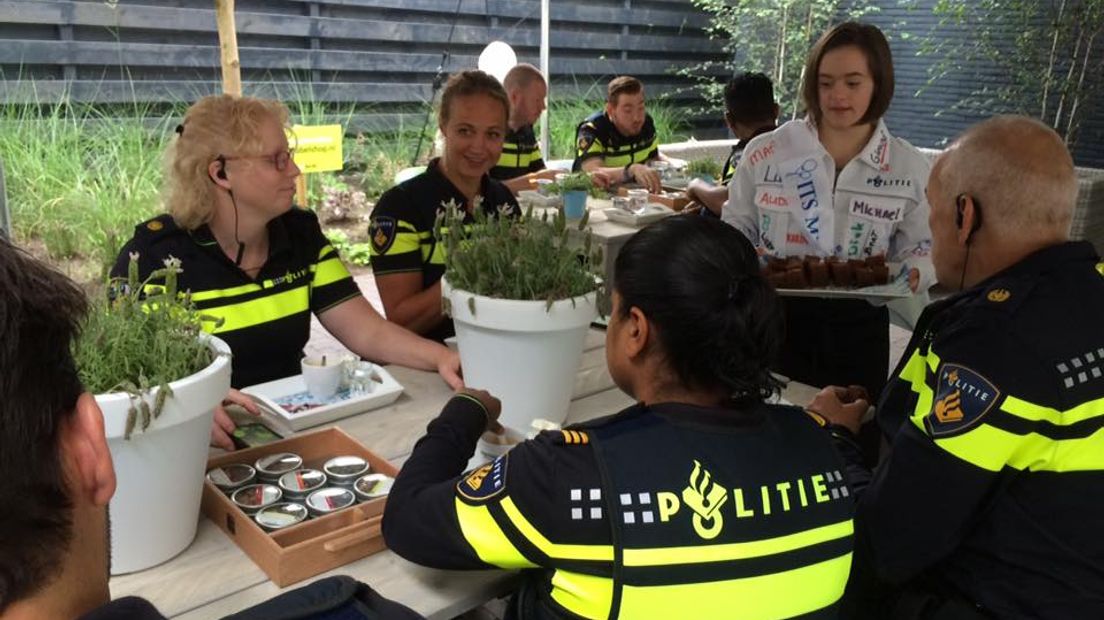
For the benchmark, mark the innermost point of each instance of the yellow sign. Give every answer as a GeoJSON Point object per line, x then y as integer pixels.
{"type": "Point", "coordinates": [317, 147]}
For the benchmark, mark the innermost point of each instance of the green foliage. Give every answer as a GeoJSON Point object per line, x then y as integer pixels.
{"type": "Point", "coordinates": [704, 166]}
{"type": "Point", "coordinates": [525, 258]}
{"type": "Point", "coordinates": [144, 336]}
{"type": "Point", "coordinates": [79, 176]}
{"type": "Point", "coordinates": [575, 182]}
{"type": "Point", "coordinates": [356, 253]}
{"type": "Point", "coordinates": [1051, 55]}
{"type": "Point", "coordinates": [769, 37]}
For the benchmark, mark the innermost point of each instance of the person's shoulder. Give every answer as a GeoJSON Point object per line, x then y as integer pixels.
{"type": "Point", "coordinates": [401, 201]}
{"type": "Point", "coordinates": [904, 155]}
{"type": "Point", "coordinates": [156, 230]}
{"type": "Point", "coordinates": [596, 122]}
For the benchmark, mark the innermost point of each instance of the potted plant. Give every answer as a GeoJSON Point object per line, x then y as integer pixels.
{"type": "Point", "coordinates": [574, 187]}
{"type": "Point", "coordinates": [704, 168]}
{"type": "Point", "coordinates": [522, 296]}
{"type": "Point", "coordinates": [158, 379]}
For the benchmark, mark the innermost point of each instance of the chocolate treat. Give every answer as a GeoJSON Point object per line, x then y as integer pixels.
{"type": "Point", "coordinates": [776, 265]}
{"type": "Point", "coordinates": [817, 272]}
{"type": "Point", "coordinates": [872, 261]}
{"type": "Point", "coordinates": [795, 278]}
{"type": "Point", "coordinates": [777, 279]}
{"type": "Point", "coordinates": [864, 276]}
{"type": "Point", "coordinates": [842, 273]}
{"type": "Point", "coordinates": [881, 273]}
{"type": "Point", "coordinates": [794, 262]}
{"type": "Point", "coordinates": [856, 263]}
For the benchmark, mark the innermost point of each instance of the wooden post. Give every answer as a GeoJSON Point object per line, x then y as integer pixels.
{"type": "Point", "coordinates": [228, 41]}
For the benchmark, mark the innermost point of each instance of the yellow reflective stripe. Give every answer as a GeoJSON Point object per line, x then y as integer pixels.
{"type": "Point", "coordinates": [584, 595]}
{"type": "Point", "coordinates": [485, 536]}
{"type": "Point", "coordinates": [262, 310]}
{"type": "Point", "coordinates": [765, 597]}
{"type": "Point", "coordinates": [329, 271]}
{"type": "Point", "coordinates": [737, 551]}
{"type": "Point", "coordinates": [549, 548]}
{"type": "Point", "coordinates": [992, 449]}
{"type": "Point", "coordinates": [915, 373]}
{"type": "Point", "coordinates": [226, 292]}
{"type": "Point", "coordinates": [1037, 413]}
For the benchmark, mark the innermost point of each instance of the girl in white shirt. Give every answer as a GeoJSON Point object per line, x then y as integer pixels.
{"type": "Point", "coordinates": [837, 183]}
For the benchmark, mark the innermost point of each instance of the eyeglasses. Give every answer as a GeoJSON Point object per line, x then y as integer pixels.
{"type": "Point", "coordinates": [279, 159]}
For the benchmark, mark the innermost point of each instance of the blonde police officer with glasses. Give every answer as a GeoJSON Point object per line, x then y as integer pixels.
{"type": "Point", "coordinates": [837, 183]}
{"type": "Point", "coordinates": [700, 501]}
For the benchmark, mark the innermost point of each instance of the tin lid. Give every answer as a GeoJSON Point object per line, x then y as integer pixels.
{"type": "Point", "coordinates": [302, 480]}
{"type": "Point", "coordinates": [278, 464]}
{"type": "Point", "coordinates": [256, 495]}
{"type": "Point", "coordinates": [345, 467]}
{"type": "Point", "coordinates": [231, 475]}
{"type": "Point", "coordinates": [373, 485]}
{"type": "Point", "coordinates": [278, 516]}
{"type": "Point", "coordinates": [330, 499]}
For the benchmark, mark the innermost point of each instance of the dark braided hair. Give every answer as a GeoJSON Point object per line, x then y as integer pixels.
{"type": "Point", "coordinates": [719, 322]}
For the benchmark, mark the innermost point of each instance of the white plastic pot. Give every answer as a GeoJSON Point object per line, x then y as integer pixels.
{"type": "Point", "coordinates": [160, 471]}
{"type": "Point", "coordinates": [522, 352]}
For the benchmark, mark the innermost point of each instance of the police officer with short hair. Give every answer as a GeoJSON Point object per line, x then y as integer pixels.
{"type": "Point", "coordinates": [521, 162]}
{"type": "Point", "coordinates": [617, 143]}
{"type": "Point", "coordinates": [699, 501]}
{"type": "Point", "coordinates": [989, 503]}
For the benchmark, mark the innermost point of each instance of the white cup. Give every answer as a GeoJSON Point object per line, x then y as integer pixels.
{"type": "Point", "coordinates": [323, 381]}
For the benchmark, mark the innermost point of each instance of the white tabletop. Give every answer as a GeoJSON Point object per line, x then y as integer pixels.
{"type": "Point", "coordinates": [213, 577]}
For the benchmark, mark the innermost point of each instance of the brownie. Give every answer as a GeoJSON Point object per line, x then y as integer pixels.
{"type": "Point", "coordinates": [881, 273]}
{"type": "Point", "coordinates": [874, 261]}
{"type": "Point", "coordinates": [776, 265]}
{"type": "Point", "coordinates": [817, 270]}
{"type": "Point", "coordinates": [795, 278]}
{"type": "Point", "coordinates": [864, 276]}
{"type": "Point", "coordinates": [842, 273]}
{"type": "Point", "coordinates": [777, 279]}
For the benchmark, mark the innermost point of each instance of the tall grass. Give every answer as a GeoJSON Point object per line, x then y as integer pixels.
{"type": "Point", "coordinates": [80, 176]}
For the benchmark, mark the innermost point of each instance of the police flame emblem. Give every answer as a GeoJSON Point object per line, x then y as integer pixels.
{"type": "Point", "coordinates": [705, 497]}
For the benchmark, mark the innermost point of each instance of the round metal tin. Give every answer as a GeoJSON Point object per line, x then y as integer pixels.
{"type": "Point", "coordinates": [324, 501]}
{"type": "Point", "coordinates": [279, 516]}
{"type": "Point", "coordinates": [372, 486]}
{"type": "Point", "coordinates": [299, 483]}
{"type": "Point", "coordinates": [231, 476]}
{"type": "Point", "coordinates": [256, 496]}
{"type": "Point", "coordinates": [344, 470]}
{"type": "Point", "coordinates": [271, 467]}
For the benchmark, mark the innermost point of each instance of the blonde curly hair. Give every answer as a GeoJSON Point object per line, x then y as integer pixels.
{"type": "Point", "coordinates": [215, 125]}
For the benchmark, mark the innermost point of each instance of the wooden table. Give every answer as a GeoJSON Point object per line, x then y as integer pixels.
{"type": "Point", "coordinates": [213, 577]}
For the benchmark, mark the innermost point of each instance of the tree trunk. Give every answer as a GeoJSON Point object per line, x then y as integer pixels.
{"type": "Point", "coordinates": [228, 41]}
{"type": "Point", "coordinates": [1048, 78]}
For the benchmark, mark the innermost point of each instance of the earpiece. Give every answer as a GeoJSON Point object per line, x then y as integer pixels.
{"type": "Point", "coordinates": [222, 168]}
{"type": "Point", "coordinates": [960, 210]}
{"type": "Point", "coordinates": [960, 215]}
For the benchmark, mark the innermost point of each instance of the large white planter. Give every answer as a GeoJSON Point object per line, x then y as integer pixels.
{"type": "Point", "coordinates": [160, 471]}
{"type": "Point", "coordinates": [522, 352]}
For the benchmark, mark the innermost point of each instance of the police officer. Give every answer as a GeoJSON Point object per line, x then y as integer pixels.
{"type": "Point", "coordinates": [700, 500]}
{"type": "Point", "coordinates": [407, 260]}
{"type": "Point", "coordinates": [521, 162]}
{"type": "Point", "coordinates": [837, 183]}
{"type": "Point", "coordinates": [989, 504]}
{"type": "Point", "coordinates": [252, 260]}
{"type": "Point", "coordinates": [750, 110]}
{"type": "Point", "coordinates": [617, 143]}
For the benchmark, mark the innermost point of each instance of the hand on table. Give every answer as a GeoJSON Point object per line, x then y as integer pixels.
{"type": "Point", "coordinates": [222, 425]}
{"type": "Point", "coordinates": [646, 177]}
{"type": "Point", "coordinates": [492, 405]}
{"type": "Point", "coordinates": [843, 406]}
{"type": "Point", "coordinates": [914, 279]}
{"type": "Point", "coordinates": [448, 366]}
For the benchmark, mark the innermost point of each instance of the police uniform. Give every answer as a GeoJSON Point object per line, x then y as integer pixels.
{"type": "Point", "coordinates": [992, 492]}
{"type": "Point", "coordinates": [729, 169]}
{"type": "Point", "coordinates": [788, 198]}
{"type": "Point", "coordinates": [597, 136]}
{"type": "Point", "coordinates": [520, 155]}
{"type": "Point", "coordinates": [401, 228]}
{"type": "Point", "coordinates": [266, 321]}
{"type": "Point", "coordinates": [662, 511]}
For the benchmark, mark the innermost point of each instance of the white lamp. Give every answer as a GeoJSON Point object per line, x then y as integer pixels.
{"type": "Point", "coordinates": [497, 59]}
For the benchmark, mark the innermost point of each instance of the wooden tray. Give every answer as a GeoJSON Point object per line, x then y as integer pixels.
{"type": "Point", "coordinates": [675, 201]}
{"type": "Point", "coordinates": [316, 545]}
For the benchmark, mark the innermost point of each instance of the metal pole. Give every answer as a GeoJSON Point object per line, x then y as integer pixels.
{"type": "Point", "coordinates": [545, 19]}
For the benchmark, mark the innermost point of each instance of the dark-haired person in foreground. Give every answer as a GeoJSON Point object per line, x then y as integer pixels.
{"type": "Point", "coordinates": [989, 505]}
{"type": "Point", "coordinates": [54, 460]}
{"type": "Point", "coordinates": [699, 501]}
{"type": "Point", "coordinates": [750, 110]}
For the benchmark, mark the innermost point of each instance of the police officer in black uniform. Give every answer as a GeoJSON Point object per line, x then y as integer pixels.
{"type": "Point", "coordinates": [254, 261]}
{"type": "Point", "coordinates": [988, 505]}
{"type": "Point", "coordinates": [618, 142]}
{"type": "Point", "coordinates": [407, 260]}
{"type": "Point", "coordinates": [699, 501]}
{"type": "Point", "coordinates": [521, 162]}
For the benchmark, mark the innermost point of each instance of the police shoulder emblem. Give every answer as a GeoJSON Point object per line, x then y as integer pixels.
{"type": "Point", "coordinates": [382, 232]}
{"type": "Point", "coordinates": [584, 143]}
{"type": "Point", "coordinates": [999, 295]}
{"type": "Point", "coordinates": [962, 398]}
{"type": "Point", "coordinates": [155, 225]}
{"type": "Point", "coordinates": [486, 482]}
